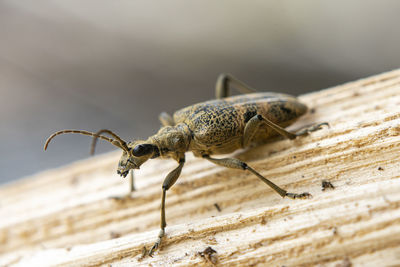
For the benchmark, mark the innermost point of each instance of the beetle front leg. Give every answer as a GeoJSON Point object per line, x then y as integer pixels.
{"type": "Point", "coordinates": [238, 164]}
{"type": "Point", "coordinates": [168, 182]}
{"type": "Point", "coordinates": [224, 83]}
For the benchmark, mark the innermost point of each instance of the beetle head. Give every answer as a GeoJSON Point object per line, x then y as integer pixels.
{"type": "Point", "coordinates": [138, 153]}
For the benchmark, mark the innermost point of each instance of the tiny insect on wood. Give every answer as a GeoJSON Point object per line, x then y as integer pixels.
{"type": "Point", "coordinates": [217, 126]}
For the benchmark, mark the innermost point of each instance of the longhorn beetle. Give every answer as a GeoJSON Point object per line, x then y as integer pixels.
{"type": "Point", "coordinates": [217, 126]}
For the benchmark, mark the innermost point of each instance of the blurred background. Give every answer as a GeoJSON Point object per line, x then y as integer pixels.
{"type": "Point", "coordinates": [117, 64]}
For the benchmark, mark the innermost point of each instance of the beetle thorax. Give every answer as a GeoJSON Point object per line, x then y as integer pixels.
{"type": "Point", "coordinates": [172, 141]}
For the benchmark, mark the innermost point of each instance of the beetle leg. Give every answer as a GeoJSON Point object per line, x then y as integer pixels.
{"type": "Point", "coordinates": [224, 83]}
{"type": "Point", "coordinates": [132, 182]}
{"type": "Point", "coordinates": [250, 129]}
{"type": "Point", "coordinates": [166, 119]}
{"type": "Point", "coordinates": [308, 129]}
{"type": "Point", "coordinates": [168, 182]}
{"type": "Point", "coordinates": [238, 164]}
{"type": "Point", "coordinates": [255, 122]}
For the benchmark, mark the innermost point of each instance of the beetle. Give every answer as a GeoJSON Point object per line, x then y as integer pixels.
{"type": "Point", "coordinates": [218, 126]}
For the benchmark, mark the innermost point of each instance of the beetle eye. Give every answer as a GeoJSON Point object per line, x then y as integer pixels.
{"type": "Point", "coordinates": [144, 149]}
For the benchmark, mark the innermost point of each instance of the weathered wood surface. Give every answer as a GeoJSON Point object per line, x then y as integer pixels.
{"type": "Point", "coordinates": [64, 216]}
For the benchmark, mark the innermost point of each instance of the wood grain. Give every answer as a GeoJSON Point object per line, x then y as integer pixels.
{"type": "Point", "coordinates": [65, 216]}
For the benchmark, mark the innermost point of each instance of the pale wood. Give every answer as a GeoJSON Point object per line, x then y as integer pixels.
{"type": "Point", "coordinates": [64, 216]}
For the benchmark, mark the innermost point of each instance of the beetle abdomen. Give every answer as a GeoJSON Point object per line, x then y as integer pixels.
{"type": "Point", "coordinates": [218, 125]}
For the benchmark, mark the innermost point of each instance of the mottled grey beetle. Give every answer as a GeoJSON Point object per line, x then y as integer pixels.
{"type": "Point", "coordinates": [218, 126]}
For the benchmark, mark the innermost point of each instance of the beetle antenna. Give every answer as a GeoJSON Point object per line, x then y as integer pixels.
{"type": "Point", "coordinates": [98, 135]}
{"type": "Point", "coordinates": [119, 142]}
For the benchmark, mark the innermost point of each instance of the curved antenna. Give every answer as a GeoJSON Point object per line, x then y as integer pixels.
{"type": "Point", "coordinates": [97, 135]}
{"type": "Point", "coordinates": [112, 141]}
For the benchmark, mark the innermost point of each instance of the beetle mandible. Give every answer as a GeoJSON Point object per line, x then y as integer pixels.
{"type": "Point", "coordinates": [217, 126]}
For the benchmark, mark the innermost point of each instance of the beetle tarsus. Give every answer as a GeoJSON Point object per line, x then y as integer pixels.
{"type": "Point", "coordinates": [312, 128]}
{"type": "Point", "coordinates": [157, 243]}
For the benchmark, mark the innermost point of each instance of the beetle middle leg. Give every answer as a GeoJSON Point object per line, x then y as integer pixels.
{"type": "Point", "coordinates": [238, 164]}
{"type": "Point", "coordinates": [168, 182]}
{"type": "Point", "coordinates": [224, 83]}
{"type": "Point", "coordinates": [166, 119]}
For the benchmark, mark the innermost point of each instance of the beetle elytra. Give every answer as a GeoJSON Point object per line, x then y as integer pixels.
{"type": "Point", "coordinates": [217, 126]}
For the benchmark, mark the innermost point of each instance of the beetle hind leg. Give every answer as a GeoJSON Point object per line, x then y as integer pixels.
{"type": "Point", "coordinates": [238, 164]}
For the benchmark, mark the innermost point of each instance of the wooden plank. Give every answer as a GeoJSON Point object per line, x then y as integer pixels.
{"type": "Point", "coordinates": [64, 216]}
